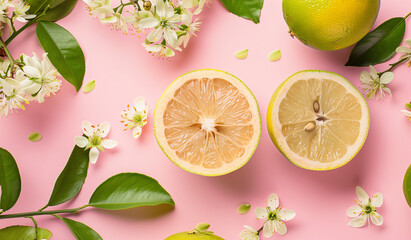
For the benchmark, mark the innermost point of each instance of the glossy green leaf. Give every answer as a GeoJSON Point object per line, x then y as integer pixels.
{"type": "Point", "coordinates": [72, 178]}
{"type": "Point", "coordinates": [63, 51]}
{"type": "Point", "coordinates": [80, 230]}
{"type": "Point", "coordinates": [24, 233]}
{"type": "Point", "coordinates": [57, 10]}
{"type": "Point", "coordinates": [9, 180]}
{"type": "Point", "coordinates": [248, 9]}
{"type": "Point", "coordinates": [129, 190]}
{"type": "Point", "coordinates": [379, 45]}
{"type": "Point", "coordinates": [406, 187]}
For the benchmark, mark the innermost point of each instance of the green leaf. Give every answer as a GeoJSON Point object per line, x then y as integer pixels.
{"type": "Point", "coordinates": [406, 187]}
{"type": "Point", "coordinates": [80, 230]}
{"type": "Point", "coordinates": [24, 233]}
{"type": "Point", "coordinates": [248, 9]}
{"type": "Point", "coordinates": [379, 45]}
{"type": "Point", "coordinates": [58, 9]}
{"type": "Point", "coordinates": [34, 137]}
{"type": "Point", "coordinates": [408, 105]}
{"type": "Point", "coordinates": [63, 51]}
{"type": "Point", "coordinates": [9, 180]}
{"type": "Point", "coordinates": [274, 55]}
{"type": "Point", "coordinates": [244, 208]}
{"type": "Point", "coordinates": [90, 85]}
{"type": "Point", "coordinates": [129, 190]}
{"type": "Point", "coordinates": [72, 178]}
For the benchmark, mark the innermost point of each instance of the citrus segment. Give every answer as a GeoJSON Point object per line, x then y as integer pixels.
{"type": "Point", "coordinates": [318, 120]}
{"type": "Point", "coordinates": [207, 122]}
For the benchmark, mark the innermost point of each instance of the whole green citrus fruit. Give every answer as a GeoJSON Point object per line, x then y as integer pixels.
{"type": "Point", "coordinates": [194, 235]}
{"type": "Point", "coordinates": [330, 24]}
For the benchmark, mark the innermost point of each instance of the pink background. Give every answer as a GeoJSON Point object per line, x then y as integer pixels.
{"type": "Point", "coordinates": [123, 70]}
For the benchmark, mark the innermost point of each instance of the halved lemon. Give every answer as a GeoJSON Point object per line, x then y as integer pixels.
{"type": "Point", "coordinates": [318, 120]}
{"type": "Point", "coordinates": [207, 122]}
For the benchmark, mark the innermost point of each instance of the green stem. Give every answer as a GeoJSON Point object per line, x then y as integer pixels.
{"type": "Point", "coordinates": [3, 45]}
{"type": "Point", "coordinates": [12, 36]}
{"type": "Point", "coordinates": [121, 6]}
{"type": "Point", "coordinates": [259, 230]}
{"type": "Point", "coordinates": [393, 65]}
{"type": "Point", "coordinates": [407, 15]}
{"type": "Point", "coordinates": [31, 22]}
{"type": "Point", "coordinates": [29, 214]}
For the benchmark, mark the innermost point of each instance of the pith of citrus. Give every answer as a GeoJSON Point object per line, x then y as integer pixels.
{"type": "Point", "coordinates": [207, 122]}
{"type": "Point", "coordinates": [318, 120]}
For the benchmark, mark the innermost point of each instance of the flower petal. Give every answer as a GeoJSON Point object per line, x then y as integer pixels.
{"type": "Point", "coordinates": [171, 37]}
{"type": "Point", "coordinates": [387, 78]}
{"type": "Point", "coordinates": [81, 141]}
{"type": "Point", "coordinates": [376, 219]}
{"type": "Point", "coordinates": [155, 34]}
{"type": "Point", "coordinates": [362, 195]}
{"type": "Point", "coordinates": [377, 199]}
{"type": "Point", "coordinates": [373, 73]}
{"type": "Point", "coordinates": [273, 201]}
{"type": "Point", "coordinates": [365, 77]}
{"type": "Point", "coordinates": [281, 228]}
{"type": "Point", "coordinates": [261, 213]}
{"type": "Point", "coordinates": [32, 71]}
{"type": "Point", "coordinates": [286, 214]}
{"type": "Point", "coordinates": [87, 129]}
{"type": "Point", "coordinates": [149, 22]}
{"type": "Point", "coordinates": [137, 132]}
{"type": "Point", "coordinates": [358, 221]}
{"type": "Point", "coordinates": [104, 128]}
{"type": "Point", "coordinates": [403, 49]}
{"type": "Point", "coordinates": [139, 104]}
{"type": "Point", "coordinates": [354, 211]}
{"type": "Point", "coordinates": [108, 143]}
{"type": "Point", "coordinates": [93, 155]}
{"type": "Point", "coordinates": [268, 229]}
{"type": "Point", "coordinates": [406, 112]}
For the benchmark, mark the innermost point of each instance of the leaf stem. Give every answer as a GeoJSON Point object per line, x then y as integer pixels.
{"type": "Point", "coordinates": [3, 45]}
{"type": "Point", "coordinates": [407, 15]}
{"type": "Point", "coordinates": [29, 214]}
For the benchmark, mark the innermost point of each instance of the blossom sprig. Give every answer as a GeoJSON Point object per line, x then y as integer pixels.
{"type": "Point", "coordinates": [135, 117]}
{"type": "Point", "coordinates": [10, 11]}
{"type": "Point", "coordinates": [375, 83]}
{"type": "Point", "coordinates": [167, 24]}
{"type": "Point", "coordinates": [365, 209]}
{"type": "Point", "coordinates": [273, 216]}
{"type": "Point", "coordinates": [26, 79]}
{"type": "Point", "coordinates": [95, 139]}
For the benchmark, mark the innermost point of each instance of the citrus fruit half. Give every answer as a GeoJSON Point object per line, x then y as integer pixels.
{"type": "Point", "coordinates": [207, 122]}
{"type": "Point", "coordinates": [318, 120]}
{"type": "Point", "coordinates": [330, 25]}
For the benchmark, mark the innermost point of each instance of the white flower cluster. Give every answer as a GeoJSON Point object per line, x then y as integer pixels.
{"type": "Point", "coordinates": [169, 24]}
{"type": "Point", "coordinates": [14, 10]}
{"type": "Point", "coordinates": [25, 80]}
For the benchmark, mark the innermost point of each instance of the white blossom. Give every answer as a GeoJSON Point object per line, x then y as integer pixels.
{"type": "Point", "coordinates": [365, 209]}
{"type": "Point", "coordinates": [95, 139]}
